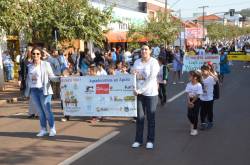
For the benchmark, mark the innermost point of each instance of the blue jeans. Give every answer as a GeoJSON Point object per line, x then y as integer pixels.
{"type": "Point", "coordinates": [42, 104]}
{"type": "Point", "coordinates": [8, 72]}
{"type": "Point", "coordinates": [146, 105]}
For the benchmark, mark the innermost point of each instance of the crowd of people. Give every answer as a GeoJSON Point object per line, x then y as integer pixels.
{"type": "Point", "coordinates": [40, 71]}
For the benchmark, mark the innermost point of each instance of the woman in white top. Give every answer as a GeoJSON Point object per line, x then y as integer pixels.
{"type": "Point", "coordinates": [39, 89]}
{"type": "Point", "coordinates": [146, 70]}
{"type": "Point", "coordinates": [194, 90]}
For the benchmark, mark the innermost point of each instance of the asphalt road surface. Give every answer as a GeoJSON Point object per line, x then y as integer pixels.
{"type": "Point", "coordinates": [227, 143]}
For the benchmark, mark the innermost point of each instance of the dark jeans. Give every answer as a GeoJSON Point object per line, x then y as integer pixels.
{"type": "Point", "coordinates": [146, 105]}
{"type": "Point", "coordinates": [206, 111]}
{"type": "Point", "coordinates": [56, 89]}
{"type": "Point", "coordinates": [193, 113]}
{"type": "Point", "coordinates": [163, 92]}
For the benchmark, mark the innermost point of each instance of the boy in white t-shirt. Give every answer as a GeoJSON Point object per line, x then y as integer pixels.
{"type": "Point", "coordinates": [194, 90]}
{"type": "Point", "coordinates": [207, 98]}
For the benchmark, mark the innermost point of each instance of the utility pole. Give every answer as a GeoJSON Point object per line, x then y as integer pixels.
{"type": "Point", "coordinates": [203, 22]}
{"type": "Point", "coordinates": [166, 5]}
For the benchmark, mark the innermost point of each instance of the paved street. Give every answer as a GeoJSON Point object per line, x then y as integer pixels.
{"type": "Point", "coordinates": [226, 144]}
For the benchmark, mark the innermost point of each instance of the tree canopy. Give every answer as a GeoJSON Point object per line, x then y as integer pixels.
{"type": "Point", "coordinates": [159, 30]}
{"type": "Point", "coordinates": [73, 19]}
{"type": "Point", "coordinates": [217, 31]}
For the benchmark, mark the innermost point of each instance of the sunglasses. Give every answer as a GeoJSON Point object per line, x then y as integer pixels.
{"type": "Point", "coordinates": [36, 53]}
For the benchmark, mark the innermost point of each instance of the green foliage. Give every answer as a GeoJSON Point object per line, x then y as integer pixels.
{"type": "Point", "coordinates": [159, 30]}
{"type": "Point", "coordinates": [245, 12]}
{"type": "Point", "coordinates": [75, 19]}
{"type": "Point", "coordinates": [217, 31]}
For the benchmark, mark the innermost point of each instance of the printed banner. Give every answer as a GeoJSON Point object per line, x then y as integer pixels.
{"type": "Point", "coordinates": [99, 96]}
{"type": "Point", "coordinates": [193, 33]}
{"type": "Point", "coordinates": [195, 62]}
{"type": "Point", "coordinates": [238, 56]}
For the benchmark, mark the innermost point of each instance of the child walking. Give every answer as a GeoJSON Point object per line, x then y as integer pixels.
{"type": "Point", "coordinates": [194, 90]}
{"type": "Point", "coordinates": [207, 98]}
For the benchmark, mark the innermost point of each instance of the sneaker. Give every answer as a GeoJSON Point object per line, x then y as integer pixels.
{"type": "Point", "coordinates": [136, 145]}
{"type": "Point", "coordinates": [32, 116]}
{"type": "Point", "coordinates": [210, 125]}
{"type": "Point", "coordinates": [181, 82]}
{"type": "Point", "coordinates": [174, 83]}
{"type": "Point", "coordinates": [149, 145]}
{"type": "Point", "coordinates": [203, 126]}
{"type": "Point", "coordinates": [64, 120]}
{"type": "Point", "coordinates": [42, 133]}
{"type": "Point", "coordinates": [194, 132]}
{"type": "Point", "coordinates": [248, 66]}
{"type": "Point", "coordinates": [52, 132]}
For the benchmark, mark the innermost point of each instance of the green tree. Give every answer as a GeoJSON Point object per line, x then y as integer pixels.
{"type": "Point", "coordinates": [74, 19]}
{"type": "Point", "coordinates": [162, 29]}
{"type": "Point", "coordinates": [217, 31]}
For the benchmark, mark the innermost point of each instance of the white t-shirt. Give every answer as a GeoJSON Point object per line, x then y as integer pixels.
{"type": "Point", "coordinates": [208, 91]}
{"type": "Point", "coordinates": [146, 76]}
{"type": "Point", "coordinates": [194, 89]}
{"type": "Point", "coordinates": [35, 76]}
{"type": "Point", "coordinates": [101, 73]}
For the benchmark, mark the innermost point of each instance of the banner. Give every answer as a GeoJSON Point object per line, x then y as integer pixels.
{"type": "Point", "coordinates": [99, 96]}
{"type": "Point", "coordinates": [195, 62]}
{"type": "Point", "coordinates": [238, 56]}
{"type": "Point", "coordinates": [193, 33]}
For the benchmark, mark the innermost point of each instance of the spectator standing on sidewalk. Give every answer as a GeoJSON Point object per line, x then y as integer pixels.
{"type": "Point", "coordinates": [55, 64]}
{"type": "Point", "coordinates": [39, 89]}
{"type": "Point", "coordinates": [146, 70]}
{"type": "Point", "coordinates": [8, 66]}
{"type": "Point", "coordinates": [25, 62]}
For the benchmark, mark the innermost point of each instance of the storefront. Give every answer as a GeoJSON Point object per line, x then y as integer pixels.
{"type": "Point", "coordinates": [122, 20]}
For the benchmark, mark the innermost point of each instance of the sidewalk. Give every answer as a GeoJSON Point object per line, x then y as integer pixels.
{"type": "Point", "coordinates": [19, 144]}
{"type": "Point", "coordinates": [11, 93]}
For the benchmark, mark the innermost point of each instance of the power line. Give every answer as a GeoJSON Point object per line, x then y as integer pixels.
{"type": "Point", "coordinates": [220, 6]}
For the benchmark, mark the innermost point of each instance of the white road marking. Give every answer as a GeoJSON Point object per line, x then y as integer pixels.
{"type": "Point", "coordinates": [89, 148]}
{"type": "Point", "coordinates": [93, 146]}
{"type": "Point", "coordinates": [176, 96]}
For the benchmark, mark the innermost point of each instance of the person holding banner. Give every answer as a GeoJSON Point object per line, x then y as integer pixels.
{"type": "Point", "coordinates": [39, 89]}
{"type": "Point", "coordinates": [146, 70]}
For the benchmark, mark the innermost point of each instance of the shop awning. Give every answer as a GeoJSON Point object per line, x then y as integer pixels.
{"type": "Point", "coordinates": [120, 37]}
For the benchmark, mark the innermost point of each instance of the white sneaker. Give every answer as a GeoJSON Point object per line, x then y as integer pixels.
{"type": "Point", "coordinates": [194, 132]}
{"type": "Point", "coordinates": [149, 145]}
{"type": "Point", "coordinates": [174, 83]}
{"type": "Point", "coordinates": [52, 132]}
{"type": "Point", "coordinates": [136, 145]}
{"type": "Point", "coordinates": [42, 133]}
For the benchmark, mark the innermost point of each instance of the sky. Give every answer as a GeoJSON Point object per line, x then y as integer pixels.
{"type": "Point", "coordinates": [188, 7]}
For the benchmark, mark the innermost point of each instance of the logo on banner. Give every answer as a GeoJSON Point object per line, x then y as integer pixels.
{"type": "Point", "coordinates": [102, 88]}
